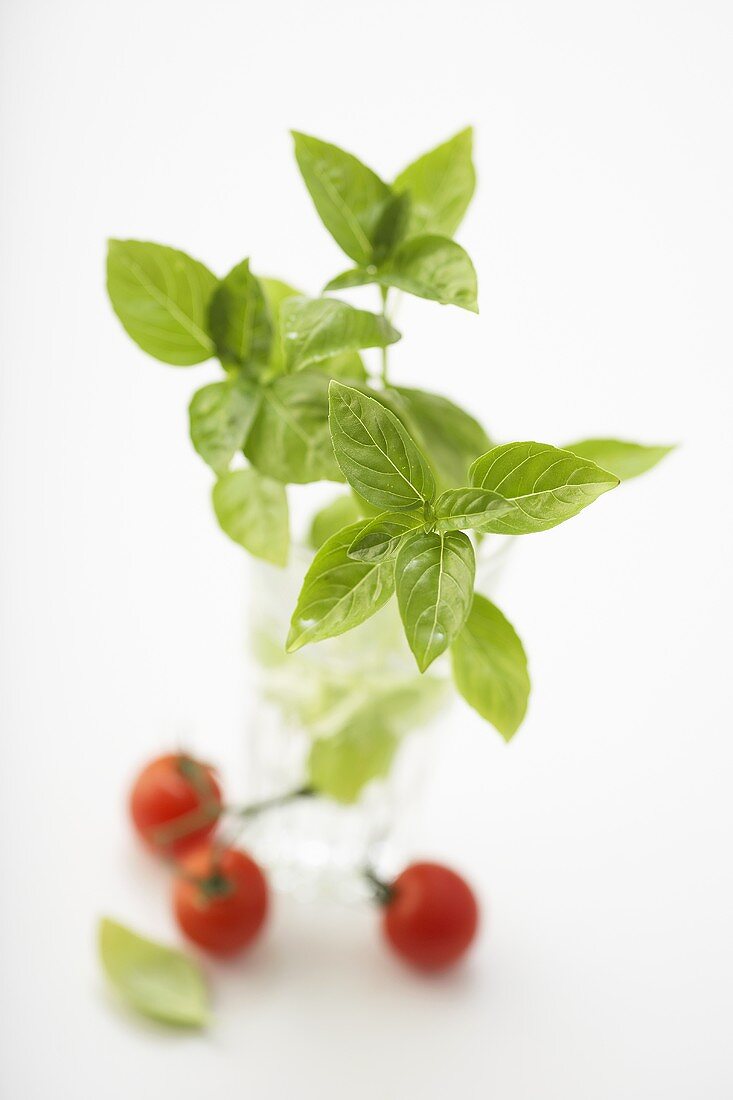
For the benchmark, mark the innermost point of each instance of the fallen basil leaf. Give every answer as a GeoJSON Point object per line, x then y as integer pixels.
{"type": "Point", "coordinates": [156, 981]}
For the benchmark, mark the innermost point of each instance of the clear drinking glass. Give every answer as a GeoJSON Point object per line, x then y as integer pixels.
{"type": "Point", "coordinates": [316, 846]}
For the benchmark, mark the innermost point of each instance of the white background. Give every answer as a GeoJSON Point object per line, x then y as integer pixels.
{"type": "Point", "coordinates": [601, 838]}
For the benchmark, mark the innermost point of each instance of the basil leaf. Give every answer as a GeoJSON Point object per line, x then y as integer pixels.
{"type": "Point", "coordinates": [410, 704]}
{"type": "Point", "coordinates": [347, 365]}
{"type": "Point", "coordinates": [314, 329]}
{"type": "Point", "coordinates": [430, 267]}
{"type": "Point", "coordinates": [253, 511]}
{"type": "Point", "coordinates": [450, 436]}
{"type": "Point", "coordinates": [220, 417]}
{"type": "Point", "coordinates": [392, 227]}
{"type": "Point", "coordinates": [490, 667]}
{"type": "Point", "coordinates": [157, 981]}
{"type": "Point", "coordinates": [356, 276]}
{"type": "Point", "coordinates": [340, 766]}
{"type": "Point", "coordinates": [161, 296]}
{"type": "Point", "coordinates": [289, 439]}
{"type": "Point", "coordinates": [434, 577]}
{"type": "Point", "coordinates": [625, 460]}
{"type": "Point", "coordinates": [366, 508]}
{"type": "Point", "coordinates": [440, 184]}
{"type": "Point", "coordinates": [545, 484]}
{"type": "Point", "coordinates": [341, 512]}
{"type": "Point", "coordinates": [458, 509]}
{"type": "Point", "coordinates": [435, 268]}
{"type": "Point", "coordinates": [382, 535]}
{"type": "Point", "coordinates": [375, 453]}
{"type": "Point", "coordinates": [239, 319]}
{"type": "Point", "coordinates": [349, 197]}
{"type": "Point", "coordinates": [338, 592]}
{"type": "Point", "coordinates": [276, 292]}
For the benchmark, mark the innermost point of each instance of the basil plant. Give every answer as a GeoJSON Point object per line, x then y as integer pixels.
{"type": "Point", "coordinates": [297, 402]}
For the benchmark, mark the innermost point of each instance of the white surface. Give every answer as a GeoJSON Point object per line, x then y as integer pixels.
{"type": "Point", "coordinates": [602, 236]}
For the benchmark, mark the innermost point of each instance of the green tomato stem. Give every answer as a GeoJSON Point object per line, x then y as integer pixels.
{"type": "Point", "coordinates": [211, 810]}
{"type": "Point", "coordinates": [382, 891]}
{"type": "Point", "coordinates": [271, 803]}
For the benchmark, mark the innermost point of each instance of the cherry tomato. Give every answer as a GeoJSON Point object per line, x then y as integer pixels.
{"type": "Point", "coordinates": [220, 899]}
{"type": "Point", "coordinates": [430, 916]}
{"type": "Point", "coordinates": [175, 803]}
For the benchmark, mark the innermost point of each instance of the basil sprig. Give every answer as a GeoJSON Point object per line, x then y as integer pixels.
{"type": "Point", "coordinates": [295, 404]}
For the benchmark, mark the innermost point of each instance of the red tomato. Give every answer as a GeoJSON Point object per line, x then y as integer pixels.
{"type": "Point", "coordinates": [175, 803]}
{"type": "Point", "coordinates": [431, 916]}
{"type": "Point", "coordinates": [220, 899]}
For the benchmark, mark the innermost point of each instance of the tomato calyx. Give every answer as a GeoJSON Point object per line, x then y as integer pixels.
{"type": "Point", "coordinates": [196, 773]}
{"type": "Point", "coordinates": [382, 892]}
{"type": "Point", "coordinates": [215, 885]}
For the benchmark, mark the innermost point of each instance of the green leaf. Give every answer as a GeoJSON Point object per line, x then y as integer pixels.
{"type": "Point", "coordinates": [545, 484]}
{"type": "Point", "coordinates": [440, 184]}
{"type": "Point", "coordinates": [355, 276]}
{"type": "Point", "coordinates": [434, 577]}
{"type": "Point", "coordinates": [340, 766]}
{"type": "Point", "coordinates": [459, 509]}
{"type": "Point", "coordinates": [429, 267]}
{"type": "Point", "coordinates": [161, 296]}
{"type": "Point", "coordinates": [289, 439]}
{"type": "Point", "coordinates": [377, 456]}
{"type": "Point", "coordinates": [490, 667]}
{"type": "Point", "coordinates": [349, 197]}
{"type": "Point", "coordinates": [240, 320]}
{"type": "Point", "coordinates": [382, 536]}
{"type": "Point", "coordinates": [625, 460]}
{"type": "Point", "coordinates": [253, 511]}
{"type": "Point", "coordinates": [392, 227]}
{"type": "Point", "coordinates": [156, 981]}
{"type": "Point", "coordinates": [409, 705]}
{"type": "Point", "coordinates": [314, 329]}
{"type": "Point", "coordinates": [347, 366]}
{"type": "Point", "coordinates": [276, 292]}
{"type": "Point", "coordinates": [220, 416]}
{"type": "Point", "coordinates": [341, 512]}
{"type": "Point", "coordinates": [338, 592]}
{"type": "Point", "coordinates": [435, 268]}
{"type": "Point", "coordinates": [450, 437]}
